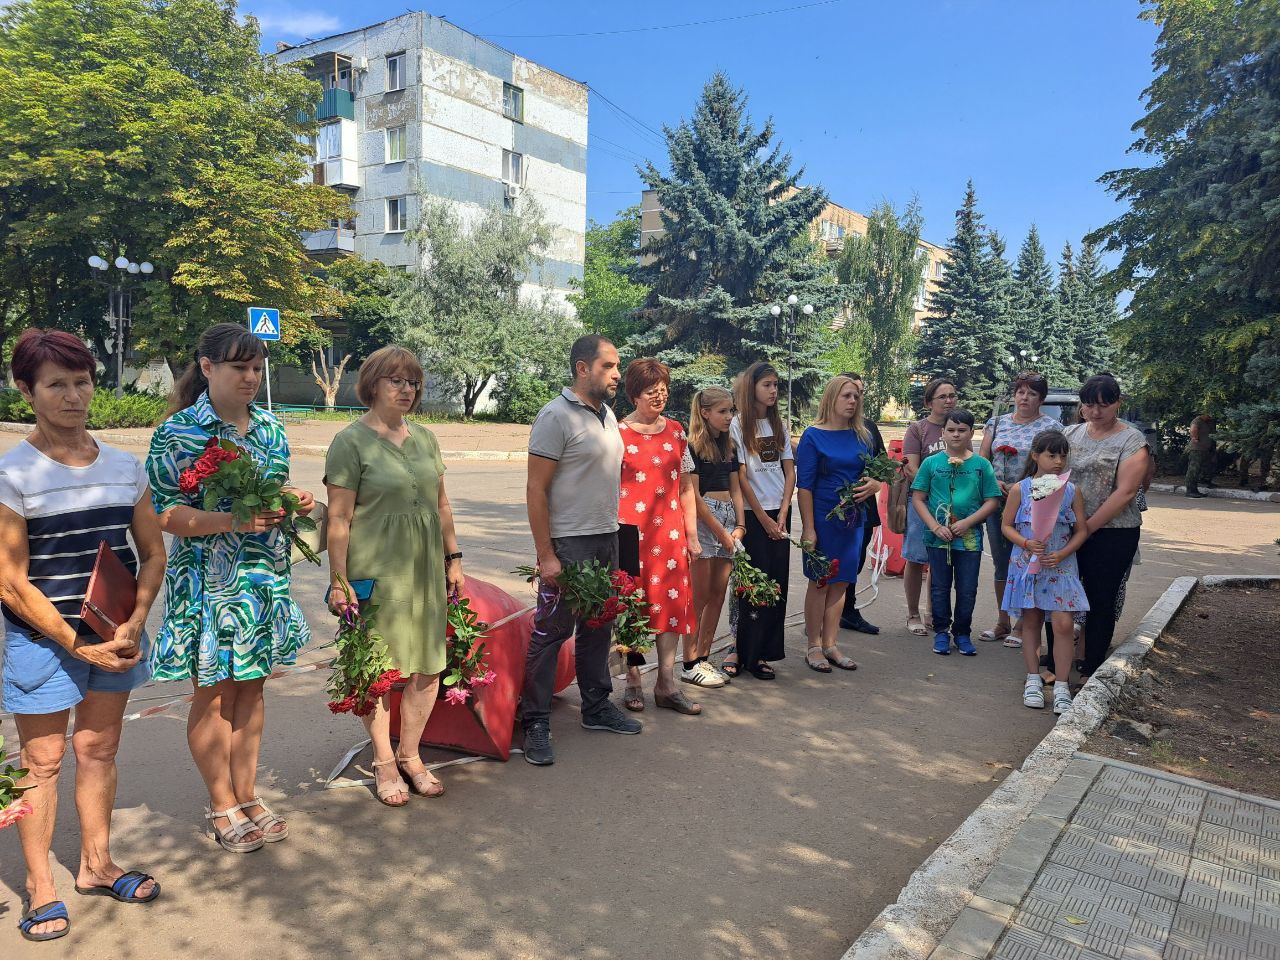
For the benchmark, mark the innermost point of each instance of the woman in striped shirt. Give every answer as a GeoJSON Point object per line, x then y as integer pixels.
{"type": "Point", "coordinates": [61, 495]}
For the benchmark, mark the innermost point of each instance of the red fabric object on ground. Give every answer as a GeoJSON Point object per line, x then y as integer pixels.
{"type": "Point", "coordinates": [650, 499]}
{"type": "Point", "coordinates": [484, 725]}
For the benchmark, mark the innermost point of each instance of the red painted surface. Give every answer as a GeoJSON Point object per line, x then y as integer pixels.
{"type": "Point", "coordinates": [893, 541]}
{"type": "Point", "coordinates": [484, 724]}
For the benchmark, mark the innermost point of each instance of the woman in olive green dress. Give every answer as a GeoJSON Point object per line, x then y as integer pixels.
{"type": "Point", "coordinates": [390, 522]}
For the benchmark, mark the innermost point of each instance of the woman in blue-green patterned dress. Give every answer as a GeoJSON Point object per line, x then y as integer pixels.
{"type": "Point", "coordinates": [229, 619]}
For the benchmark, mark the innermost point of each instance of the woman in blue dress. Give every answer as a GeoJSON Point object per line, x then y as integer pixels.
{"type": "Point", "coordinates": [831, 455]}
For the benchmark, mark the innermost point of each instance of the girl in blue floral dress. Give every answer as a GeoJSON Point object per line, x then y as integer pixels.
{"type": "Point", "coordinates": [1055, 589]}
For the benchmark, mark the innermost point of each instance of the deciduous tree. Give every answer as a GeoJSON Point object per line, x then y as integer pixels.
{"type": "Point", "coordinates": [607, 297]}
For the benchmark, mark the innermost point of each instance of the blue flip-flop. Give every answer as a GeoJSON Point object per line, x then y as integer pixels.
{"type": "Point", "coordinates": [54, 910]}
{"type": "Point", "coordinates": [124, 888]}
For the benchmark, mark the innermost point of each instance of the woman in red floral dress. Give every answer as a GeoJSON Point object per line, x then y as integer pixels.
{"type": "Point", "coordinates": [657, 511]}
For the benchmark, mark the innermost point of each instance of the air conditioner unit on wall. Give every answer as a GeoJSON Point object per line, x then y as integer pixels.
{"type": "Point", "coordinates": [512, 190]}
{"type": "Point", "coordinates": [362, 64]}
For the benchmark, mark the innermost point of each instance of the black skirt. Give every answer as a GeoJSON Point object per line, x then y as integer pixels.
{"type": "Point", "coordinates": [762, 630]}
{"type": "Point", "coordinates": [629, 561]}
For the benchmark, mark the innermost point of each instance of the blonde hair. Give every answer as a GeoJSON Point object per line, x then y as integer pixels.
{"type": "Point", "coordinates": [744, 396]}
{"type": "Point", "coordinates": [708, 448]}
{"type": "Point", "coordinates": [827, 407]}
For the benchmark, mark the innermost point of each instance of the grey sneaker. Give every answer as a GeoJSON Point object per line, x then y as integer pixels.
{"type": "Point", "coordinates": [537, 744]}
{"type": "Point", "coordinates": [610, 718]}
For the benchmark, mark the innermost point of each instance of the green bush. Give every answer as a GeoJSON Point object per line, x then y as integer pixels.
{"type": "Point", "coordinates": [108, 412]}
{"type": "Point", "coordinates": [521, 395]}
{"type": "Point", "coordinates": [14, 409]}
{"type": "Point", "coordinates": [105, 412]}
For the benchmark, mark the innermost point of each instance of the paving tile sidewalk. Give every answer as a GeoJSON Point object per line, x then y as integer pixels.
{"type": "Point", "coordinates": [1133, 864]}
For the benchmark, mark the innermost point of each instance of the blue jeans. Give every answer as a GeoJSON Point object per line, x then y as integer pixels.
{"type": "Point", "coordinates": [964, 568]}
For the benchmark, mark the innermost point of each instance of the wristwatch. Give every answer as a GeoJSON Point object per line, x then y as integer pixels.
{"type": "Point", "coordinates": [450, 557]}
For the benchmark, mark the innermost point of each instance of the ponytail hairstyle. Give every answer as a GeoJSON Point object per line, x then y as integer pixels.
{"type": "Point", "coordinates": [708, 448]}
{"type": "Point", "coordinates": [221, 343]}
{"type": "Point", "coordinates": [1046, 441]}
{"type": "Point", "coordinates": [744, 394]}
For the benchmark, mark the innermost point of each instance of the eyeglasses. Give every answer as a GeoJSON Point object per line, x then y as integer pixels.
{"type": "Point", "coordinates": [654, 393]}
{"type": "Point", "coordinates": [399, 383]}
{"type": "Point", "coordinates": [944, 396]}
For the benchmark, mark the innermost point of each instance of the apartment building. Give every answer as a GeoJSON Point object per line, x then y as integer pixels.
{"type": "Point", "coordinates": [417, 104]}
{"type": "Point", "coordinates": [831, 227]}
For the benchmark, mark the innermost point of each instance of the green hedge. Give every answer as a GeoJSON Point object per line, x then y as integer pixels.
{"type": "Point", "coordinates": [106, 412]}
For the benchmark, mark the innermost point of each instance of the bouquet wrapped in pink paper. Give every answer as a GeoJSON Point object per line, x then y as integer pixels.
{"type": "Point", "coordinates": [1047, 492]}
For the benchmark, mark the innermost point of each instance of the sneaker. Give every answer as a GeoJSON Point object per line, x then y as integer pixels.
{"type": "Point", "coordinates": [1196, 494]}
{"type": "Point", "coordinates": [610, 718]}
{"type": "Point", "coordinates": [1033, 692]}
{"type": "Point", "coordinates": [702, 675]}
{"type": "Point", "coordinates": [537, 744]}
{"type": "Point", "coordinates": [966, 646]}
{"type": "Point", "coordinates": [1061, 698]}
{"type": "Point", "coordinates": [942, 645]}
{"type": "Point", "coordinates": [712, 668]}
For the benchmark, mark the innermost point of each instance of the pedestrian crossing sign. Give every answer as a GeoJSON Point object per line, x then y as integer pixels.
{"type": "Point", "coordinates": [264, 323]}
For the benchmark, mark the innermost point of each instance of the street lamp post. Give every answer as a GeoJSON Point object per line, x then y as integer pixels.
{"type": "Point", "coordinates": [119, 303]}
{"type": "Point", "coordinates": [789, 331]}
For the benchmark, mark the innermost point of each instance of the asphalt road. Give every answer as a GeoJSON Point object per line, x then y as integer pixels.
{"type": "Point", "coordinates": [776, 825]}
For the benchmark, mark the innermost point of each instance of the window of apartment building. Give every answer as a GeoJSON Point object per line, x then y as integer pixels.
{"type": "Point", "coordinates": [939, 268]}
{"type": "Point", "coordinates": [396, 71]}
{"type": "Point", "coordinates": [338, 81]}
{"type": "Point", "coordinates": [397, 144]}
{"type": "Point", "coordinates": [397, 214]}
{"type": "Point", "coordinates": [512, 102]}
{"type": "Point", "coordinates": [830, 230]}
{"type": "Point", "coordinates": [329, 142]}
{"type": "Point", "coordinates": [512, 167]}
{"type": "Point", "coordinates": [922, 298]}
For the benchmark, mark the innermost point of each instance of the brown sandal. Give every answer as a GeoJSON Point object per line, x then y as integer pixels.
{"type": "Point", "coordinates": [423, 784]}
{"type": "Point", "coordinates": [678, 702]}
{"type": "Point", "coordinates": [633, 699]}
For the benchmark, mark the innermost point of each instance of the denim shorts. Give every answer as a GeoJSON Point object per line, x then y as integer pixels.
{"type": "Point", "coordinates": [40, 676]}
{"type": "Point", "coordinates": [913, 548]}
{"type": "Point", "coordinates": [726, 513]}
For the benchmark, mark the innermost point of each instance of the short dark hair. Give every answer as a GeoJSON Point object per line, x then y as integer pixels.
{"type": "Point", "coordinates": [36, 347]}
{"type": "Point", "coordinates": [1029, 378]}
{"type": "Point", "coordinates": [960, 415]}
{"type": "Point", "coordinates": [585, 349]}
{"type": "Point", "coordinates": [644, 373]}
{"type": "Point", "coordinates": [933, 386]}
{"type": "Point", "coordinates": [1100, 388]}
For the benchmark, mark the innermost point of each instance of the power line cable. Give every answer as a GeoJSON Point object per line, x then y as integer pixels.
{"type": "Point", "coordinates": [631, 118]}
{"type": "Point", "coordinates": [664, 26]}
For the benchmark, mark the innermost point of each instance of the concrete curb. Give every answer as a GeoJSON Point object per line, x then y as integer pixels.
{"type": "Point", "coordinates": [936, 895]}
{"type": "Point", "coordinates": [1219, 493]}
{"type": "Point", "coordinates": [302, 449]}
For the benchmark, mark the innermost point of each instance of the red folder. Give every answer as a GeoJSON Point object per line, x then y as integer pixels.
{"type": "Point", "coordinates": [111, 595]}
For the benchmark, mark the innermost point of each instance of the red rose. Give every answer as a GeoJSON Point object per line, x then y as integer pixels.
{"type": "Point", "coordinates": [188, 482]}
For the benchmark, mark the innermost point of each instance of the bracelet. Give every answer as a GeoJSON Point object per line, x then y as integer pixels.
{"type": "Point", "coordinates": [450, 557]}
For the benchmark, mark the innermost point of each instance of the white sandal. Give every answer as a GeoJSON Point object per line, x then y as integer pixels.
{"type": "Point", "coordinates": [265, 821]}
{"type": "Point", "coordinates": [917, 629]}
{"type": "Point", "coordinates": [232, 836]}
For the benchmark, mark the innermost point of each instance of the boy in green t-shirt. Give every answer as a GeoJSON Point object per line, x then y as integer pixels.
{"type": "Point", "coordinates": [953, 492]}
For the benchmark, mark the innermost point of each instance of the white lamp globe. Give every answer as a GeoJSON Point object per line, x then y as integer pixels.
{"type": "Point", "coordinates": [775, 310]}
{"type": "Point", "coordinates": [133, 268]}
{"type": "Point", "coordinates": [145, 266]}
{"type": "Point", "coordinates": [97, 262]}
{"type": "Point", "coordinates": [122, 263]}
{"type": "Point", "coordinates": [807, 309]}
{"type": "Point", "coordinates": [792, 300]}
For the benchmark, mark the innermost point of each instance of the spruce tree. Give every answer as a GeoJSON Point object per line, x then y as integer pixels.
{"type": "Point", "coordinates": [1037, 319]}
{"type": "Point", "coordinates": [736, 240]}
{"type": "Point", "coordinates": [1095, 348]}
{"type": "Point", "coordinates": [1071, 308]}
{"type": "Point", "coordinates": [951, 342]}
{"type": "Point", "coordinates": [1003, 345]}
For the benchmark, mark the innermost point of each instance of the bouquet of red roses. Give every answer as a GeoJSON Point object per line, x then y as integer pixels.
{"type": "Point", "coordinates": [599, 597]}
{"type": "Point", "coordinates": [751, 583]}
{"type": "Point", "coordinates": [816, 563]}
{"type": "Point", "coordinates": [468, 659]}
{"type": "Point", "coordinates": [225, 471]}
{"type": "Point", "coordinates": [361, 671]}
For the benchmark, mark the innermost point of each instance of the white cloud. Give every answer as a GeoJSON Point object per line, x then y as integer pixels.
{"type": "Point", "coordinates": [291, 22]}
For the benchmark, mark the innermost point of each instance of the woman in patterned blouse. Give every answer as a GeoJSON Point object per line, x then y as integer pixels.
{"type": "Point", "coordinates": [229, 619]}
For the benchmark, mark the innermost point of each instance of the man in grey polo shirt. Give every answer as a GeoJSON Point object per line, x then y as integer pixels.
{"type": "Point", "coordinates": [575, 469]}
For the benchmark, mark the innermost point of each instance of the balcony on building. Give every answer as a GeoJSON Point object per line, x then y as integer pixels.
{"type": "Point", "coordinates": [336, 74]}
{"type": "Point", "coordinates": [328, 245]}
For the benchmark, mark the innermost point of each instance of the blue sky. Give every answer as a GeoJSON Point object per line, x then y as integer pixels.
{"type": "Point", "coordinates": [877, 99]}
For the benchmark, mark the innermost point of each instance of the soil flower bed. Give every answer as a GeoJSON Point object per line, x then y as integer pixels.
{"type": "Point", "coordinates": [1207, 705]}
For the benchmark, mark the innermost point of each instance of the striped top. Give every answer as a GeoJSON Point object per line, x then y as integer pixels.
{"type": "Point", "coordinates": [69, 511]}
